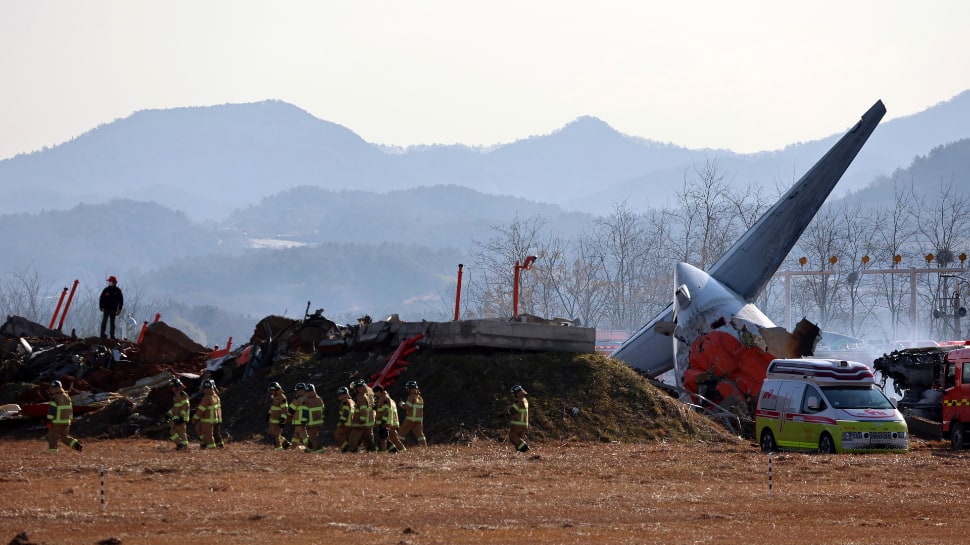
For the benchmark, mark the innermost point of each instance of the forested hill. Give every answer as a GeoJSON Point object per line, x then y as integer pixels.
{"type": "Point", "coordinates": [437, 217]}
{"type": "Point", "coordinates": [946, 166]}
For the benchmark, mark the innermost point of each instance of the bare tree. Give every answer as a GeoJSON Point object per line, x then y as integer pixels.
{"type": "Point", "coordinates": [707, 217]}
{"type": "Point", "coordinates": [859, 243]}
{"type": "Point", "coordinates": [624, 244]}
{"type": "Point", "coordinates": [587, 284]}
{"type": "Point", "coordinates": [823, 239]}
{"type": "Point", "coordinates": [893, 234]}
{"type": "Point", "coordinates": [490, 293]}
{"type": "Point", "coordinates": [942, 222]}
{"type": "Point", "coordinates": [549, 297]}
{"type": "Point", "coordinates": [27, 295]}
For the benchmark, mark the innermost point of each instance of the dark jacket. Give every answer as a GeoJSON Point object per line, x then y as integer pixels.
{"type": "Point", "coordinates": [111, 300]}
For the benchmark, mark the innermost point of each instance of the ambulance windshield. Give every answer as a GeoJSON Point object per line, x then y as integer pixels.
{"type": "Point", "coordinates": [854, 397]}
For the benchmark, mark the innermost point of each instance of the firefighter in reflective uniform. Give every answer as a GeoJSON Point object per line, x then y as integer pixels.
{"type": "Point", "coordinates": [387, 422]}
{"type": "Point", "coordinates": [279, 408]}
{"type": "Point", "coordinates": [413, 408]}
{"type": "Point", "coordinates": [362, 426]}
{"type": "Point", "coordinates": [345, 417]}
{"type": "Point", "coordinates": [520, 418]}
{"type": "Point", "coordinates": [296, 412]}
{"type": "Point", "coordinates": [314, 408]}
{"type": "Point", "coordinates": [60, 412]}
{"type": "Point", "coordinates": [217, 425]}
{"type": "Point", "coordinates": [207, 414]}
{"type": "Point", "coordinates": [178, 415]}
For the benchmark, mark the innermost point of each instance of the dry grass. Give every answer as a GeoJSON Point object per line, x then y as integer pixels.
{"type": "Point", "coordinates": [590, 493]}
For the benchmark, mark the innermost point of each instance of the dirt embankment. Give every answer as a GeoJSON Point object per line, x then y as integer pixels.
{"type": "Point", "coordinates": [573, 397]}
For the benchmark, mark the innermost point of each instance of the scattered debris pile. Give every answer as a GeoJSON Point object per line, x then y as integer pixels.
{"type": "Point", "coordinates": [117, 386]}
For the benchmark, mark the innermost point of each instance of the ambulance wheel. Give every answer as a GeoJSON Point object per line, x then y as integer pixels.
{"type": "Point", "coordinates": [957, 435]}
{"type": "Point", "coordinates": [825, 444]}
{"type": "Point", "coordinates": [768, 441]}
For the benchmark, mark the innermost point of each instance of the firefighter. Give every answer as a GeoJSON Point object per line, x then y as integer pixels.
{"type": "Point", "coordinates": [413, 408]}
{"type": "Point", "coordinates": [520, 418]}
{"type": "Point", "coordinates": [314, 408]}
{"type": "Point", "coordinates": [387, 422]}
{"type": "Point", "coordinates": [279, 408]}
{"type": "Point", "coordinates": [59, 415]}
{"type": "Point", "coordinates": [362, 426]}
{"type": "Point", "coordinates": [345, 417]}
{"type": "Point", "coordinates": [178, 415]}
{"type": "Point", "coordinates": [217, 425]}
{"type": "Point", "coordinates": [207, 414]}
{"type": "Point", "coordinates": [296, 412]}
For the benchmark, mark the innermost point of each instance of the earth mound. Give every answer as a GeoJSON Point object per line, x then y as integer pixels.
{"type": "Point", "coordinates": [572, 397]}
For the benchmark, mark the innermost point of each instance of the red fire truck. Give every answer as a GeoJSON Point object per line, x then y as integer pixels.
{"type": "Point", "coordinates": [934, 383]}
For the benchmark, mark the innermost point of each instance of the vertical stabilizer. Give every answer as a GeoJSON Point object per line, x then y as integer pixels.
{"type": "Point", "coordinates": [749, 264]}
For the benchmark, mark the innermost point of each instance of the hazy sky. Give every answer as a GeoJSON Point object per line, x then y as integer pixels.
{"type": "Point", "coordinates": [698, 74]}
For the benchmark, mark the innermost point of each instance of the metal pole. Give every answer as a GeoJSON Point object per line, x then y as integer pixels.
{"type": "Point", "coordinates": [788, 300]}
{"type": "Point", "coordinates": [67, 305]}
{"type": "Point", "coordinates": [914, 334]}
{"type": "Point", "coordinates": [769, 475]}
{"type": "Point", "coordinates": [458, 293]}
{"type": "Point", "coordinates": [957, 329]}
{"type": "Point", "coordinates": [103, 502]}
{"type": "Point", "coordinates": [57, 309]}
{"type": "Point", "coordinates": [515, 290]}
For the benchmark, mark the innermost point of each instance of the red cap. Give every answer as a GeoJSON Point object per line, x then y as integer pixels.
{"type": "Point", "coordinates": [112, 279]}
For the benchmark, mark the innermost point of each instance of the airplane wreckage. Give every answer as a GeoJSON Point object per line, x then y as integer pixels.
{"type": "Point", "coordinates": [712, 337]}
{"type": "Point", "coordinates": [716, 342]}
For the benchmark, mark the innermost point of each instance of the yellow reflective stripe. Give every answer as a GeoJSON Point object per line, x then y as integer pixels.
{"type": "Point", "coordinates": [209, 413]}
{"type": "Point", "coordinates": [181, 408]}
{"type": "Point", "coordinates": [523, 415]}
{"type": "Point", "coordinates": [63, 414]}
{"type": "Point", "coordinates": [315, 417]}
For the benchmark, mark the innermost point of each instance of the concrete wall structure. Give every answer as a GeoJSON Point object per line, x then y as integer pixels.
{"type": "Point", "coordinates": [501, 334]}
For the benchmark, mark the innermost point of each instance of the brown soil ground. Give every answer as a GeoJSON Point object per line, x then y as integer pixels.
{"type": "Point", "coordinates": [479, 492]}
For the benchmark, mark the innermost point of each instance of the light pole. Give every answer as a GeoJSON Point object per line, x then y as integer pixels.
{"type": "Point", "coordinates": [515, 283]}
{"type": "Point", "coordinates": [959, 311]}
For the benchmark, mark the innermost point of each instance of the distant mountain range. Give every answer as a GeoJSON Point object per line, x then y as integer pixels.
{"type": "Point", "coordinates": [175, 201]}
{"type": "Point", "coordinates": [210, 161]}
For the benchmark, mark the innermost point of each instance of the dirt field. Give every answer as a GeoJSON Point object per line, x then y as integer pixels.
{"type": "Point", "coordinates": [591, 493]}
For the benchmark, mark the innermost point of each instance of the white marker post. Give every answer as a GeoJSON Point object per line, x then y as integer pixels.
{"type": "Point", "coordinates": [102, 488]}
{"type": "Point", "coordinates": [769, 475]}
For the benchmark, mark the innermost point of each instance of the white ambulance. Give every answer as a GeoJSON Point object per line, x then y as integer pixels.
{"type": "Point", "coordinates": [827, 406]}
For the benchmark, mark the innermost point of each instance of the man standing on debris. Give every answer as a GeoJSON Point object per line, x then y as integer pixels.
{"type": "Point", "coordinates": [345, 419]}
{"type": "Point", "coordinates": [387, 422]}
{"type": "Point", "coordinates": [178, 415]}
{"type": "Point", "coordinates": [278, 409]}
{"type": "Point", "coordinates": [110, 303]}
{"type": "Point", "coordinates": [207, 414]}
{"type": "Point", "coordinates": [413, 408]}
{"type": "Point", "coordinates": [59, 416]}
{"type": "Point", "coordinates": [297, 416]}
{"type": "Point", "coordinates": [520, 418]}
{"type": "Point", "coordinates": [362, 428]}
{"type": "Point", "coordinates": [314, 418]}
